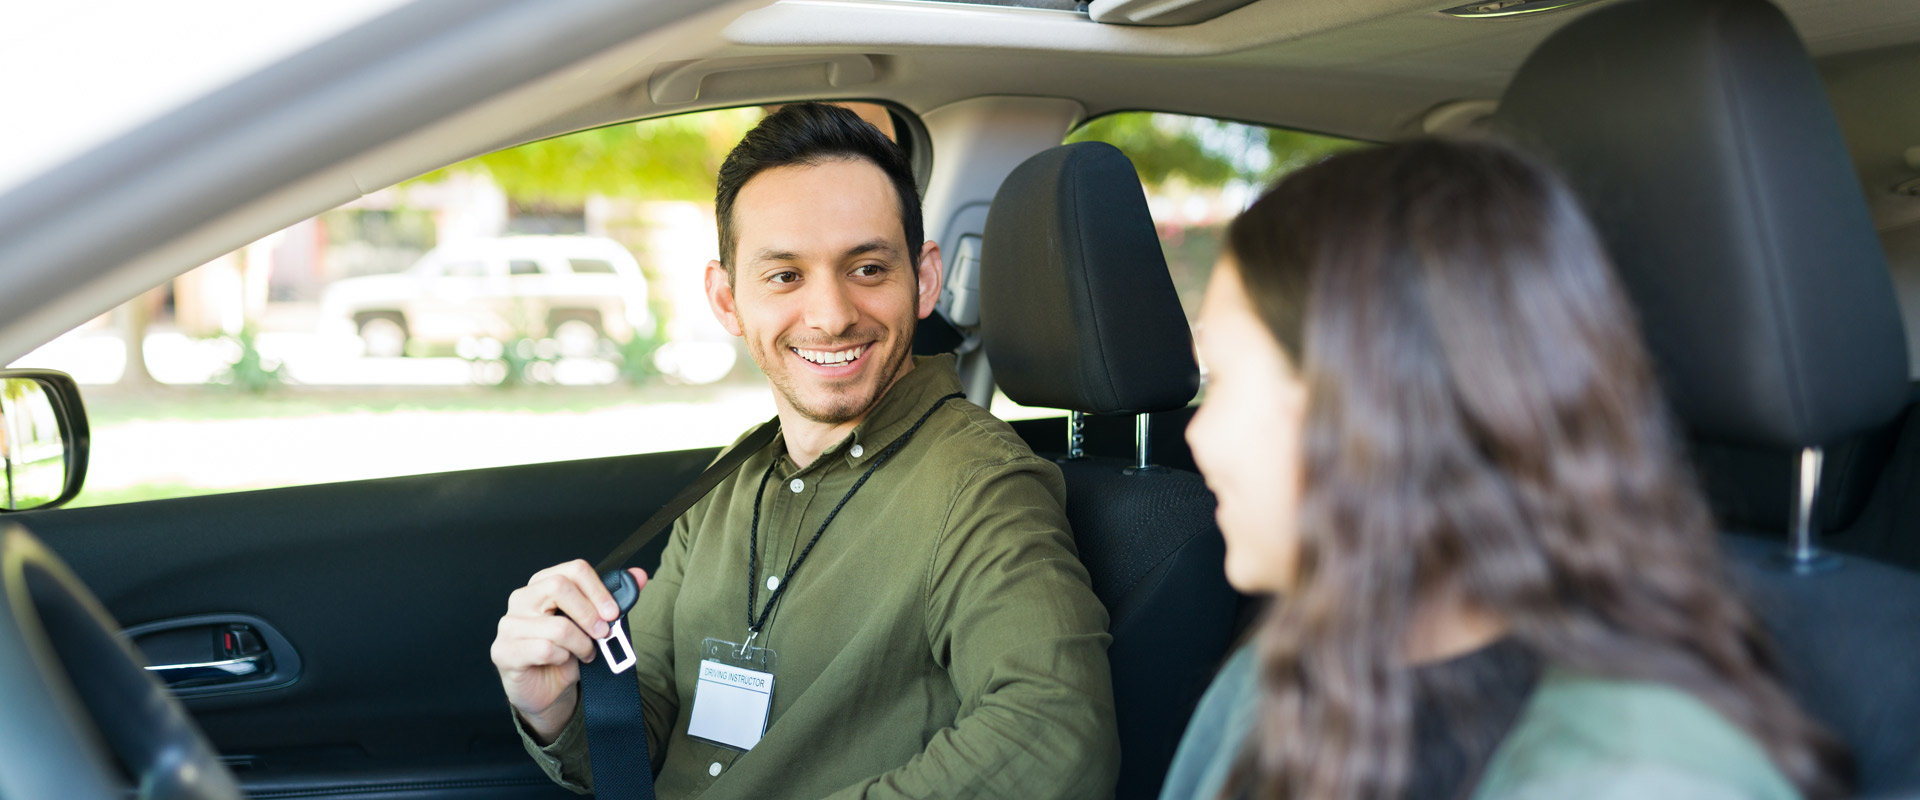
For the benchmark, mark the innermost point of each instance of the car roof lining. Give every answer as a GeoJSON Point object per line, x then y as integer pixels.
{"type": "Point", "coordinates": [1340, 69]}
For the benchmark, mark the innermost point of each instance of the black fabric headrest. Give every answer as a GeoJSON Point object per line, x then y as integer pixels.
{"type": "Point", "coordinates": [1077, 310]}
{"type": "Point", "coordinates": [1701, 141]}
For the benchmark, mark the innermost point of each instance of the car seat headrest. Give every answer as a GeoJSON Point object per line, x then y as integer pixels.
{"type": "Point", "coordinates": [1077, 310]}
{"type": "Point", "coordinates": [1701, 141]}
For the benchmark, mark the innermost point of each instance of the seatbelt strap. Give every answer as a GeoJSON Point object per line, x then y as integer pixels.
{"type": "Point", "coordinates": [616, 726]}
{"type": "Point", "coordinates": [664, 518]}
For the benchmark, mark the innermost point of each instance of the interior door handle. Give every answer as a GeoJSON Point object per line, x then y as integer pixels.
{"type": "Point", "coordinates": [211, 654]}
{"type": "Point", "coordinates": [209, 672]}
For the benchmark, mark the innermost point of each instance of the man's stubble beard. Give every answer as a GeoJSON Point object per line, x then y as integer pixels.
{"type": "Point", "coordinates": [885, 374]}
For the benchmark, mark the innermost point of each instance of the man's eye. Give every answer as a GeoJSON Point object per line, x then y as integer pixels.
{"type": "Point", "coordinates": [869, 270]}
{"type": "Point", "coordinates": [785, 277]}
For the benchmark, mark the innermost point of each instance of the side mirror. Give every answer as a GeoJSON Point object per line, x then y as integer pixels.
{"type": "Point", "coordinates": [43, 439]}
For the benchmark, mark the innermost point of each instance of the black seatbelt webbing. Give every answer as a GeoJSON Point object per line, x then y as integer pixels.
{"type": "Point", "coordinates": [616, 727]}
{"type": "Point", "coordinates": [664, 518]}
{"type": "Point", "coordinates": [616, 734]}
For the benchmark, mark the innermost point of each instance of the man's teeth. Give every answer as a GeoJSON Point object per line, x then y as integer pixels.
{"type": "Point", "coordinates": [830, 359]}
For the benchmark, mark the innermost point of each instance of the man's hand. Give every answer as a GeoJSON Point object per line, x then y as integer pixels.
{"type": "Point", "coordinates": [548, 632]}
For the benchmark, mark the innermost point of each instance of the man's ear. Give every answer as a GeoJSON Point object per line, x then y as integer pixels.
{"type": "Point", "coordinates": [720, 298]}
{"type": "Point", "coordinates": [930, 273]}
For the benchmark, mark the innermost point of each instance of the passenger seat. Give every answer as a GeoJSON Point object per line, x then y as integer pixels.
{"type": "Point", "coordinates": [1699, 137]}
{"type": "Point", "coordinates": [1078, 312]}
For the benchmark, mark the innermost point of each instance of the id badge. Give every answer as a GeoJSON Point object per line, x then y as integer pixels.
{"type": "Point", "coordinates": [734, 696]}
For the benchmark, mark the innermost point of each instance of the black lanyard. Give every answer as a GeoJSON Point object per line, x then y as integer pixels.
{"type": "Point", "coordinates": [753, 537]}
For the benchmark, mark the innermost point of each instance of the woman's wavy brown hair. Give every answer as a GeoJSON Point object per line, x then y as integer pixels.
{"type": "Point", "coordinates": [1483, 427]}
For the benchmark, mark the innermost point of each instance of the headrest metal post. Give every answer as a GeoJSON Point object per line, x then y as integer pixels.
{"type": "Point", "coordinates": [1142, 428]}
{"type": "Point", "coordinates": [1076, 435]}
{"type": "Point", "coordinates": [1804, 556]}
{"type": "Point", "coordinates": [1142, 455]}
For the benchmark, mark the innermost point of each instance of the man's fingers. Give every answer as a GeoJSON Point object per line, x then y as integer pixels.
{"type": "Point", "coordinates": [581, 574]}
{"type": "Point", "coordinates": [557, 593]}
{"type": "Point", "coordinates": [515, 655]}
{"type": "Point", "coordinates": [567, 635]}
{"type": "Point", "coordinates": [565, 639]}
{"type": "Point", "coordinates": [577, 605]}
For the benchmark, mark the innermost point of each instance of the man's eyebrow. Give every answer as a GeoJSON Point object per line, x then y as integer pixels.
{"type": "Point", "coordinates": [879, 246]}
{"type": "Point", "coordinates": [769, 254]}
{"type": "Point", "coordinates": [876, 246]}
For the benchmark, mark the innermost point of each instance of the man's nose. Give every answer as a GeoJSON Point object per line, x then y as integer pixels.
{"type": "Point", "coordinates": [830, 308]}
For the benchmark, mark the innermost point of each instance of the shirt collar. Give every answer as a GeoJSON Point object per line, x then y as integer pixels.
{"type": "Point", "coordinates": [931, 378]}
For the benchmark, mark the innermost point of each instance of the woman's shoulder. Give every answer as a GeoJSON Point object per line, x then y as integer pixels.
{"type": "Point", "coordinates": [1582, 736]}
{"type": "Point", "coordinates": [1219, 726]}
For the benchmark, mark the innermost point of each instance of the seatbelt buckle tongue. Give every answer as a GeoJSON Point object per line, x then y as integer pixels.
{"type": "Point", "coordinates": [626, 592]}
{"type": "Point", "coordinates": [618, 634]}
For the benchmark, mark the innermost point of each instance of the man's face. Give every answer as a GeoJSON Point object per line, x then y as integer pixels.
{"type": "Point", "coordinates": [824, 285]}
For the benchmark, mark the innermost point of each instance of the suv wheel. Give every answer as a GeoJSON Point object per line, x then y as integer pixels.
{"type": "Point", "coordinates": [383, 336]}
{"type": "Point", "coordinates": [578, 337]}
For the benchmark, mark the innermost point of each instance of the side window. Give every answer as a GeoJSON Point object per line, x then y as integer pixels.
{"type": "Point", "coordinates": [320, 353]}
{"type": "Point", "coordinates": [465, 269]}
{"type": "Point", "coordinates": [1198, 173]}
{"type": "Point", "coordinates": [590, 266]}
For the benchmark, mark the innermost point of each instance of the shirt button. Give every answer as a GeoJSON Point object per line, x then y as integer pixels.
{"type": "Point", "coordinates": [797, 485]}
{"type": "Point", "coordinates": [858, 450]}
{"type": "Point", "coordinates": [714, 769]}
{"type": "Point", "coordinates": [773, 582]}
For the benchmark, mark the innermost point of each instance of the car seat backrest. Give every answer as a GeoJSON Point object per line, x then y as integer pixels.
{"type": "Point", "coordinates": [1081, 313]}
{"type": "Point", "coordinates": [1699, 137]}
{"type": "Point", "coordinates": [1078, 312]}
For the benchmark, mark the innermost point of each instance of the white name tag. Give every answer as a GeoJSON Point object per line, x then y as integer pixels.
{"type": "Point", "coordinates": [730, 705]}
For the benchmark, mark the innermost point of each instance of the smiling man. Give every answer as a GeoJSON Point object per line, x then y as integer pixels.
{"type": "Point", "coordinates": [895, 567]}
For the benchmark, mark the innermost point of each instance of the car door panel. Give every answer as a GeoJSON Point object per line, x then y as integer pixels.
{"type": "Point", "coordinates": [388, 591]}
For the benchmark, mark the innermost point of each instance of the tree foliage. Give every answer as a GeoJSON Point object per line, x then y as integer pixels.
{"type": "Point", "coordinates": [676, 158]}
{"type": "Point", "coordinates": [1206, 153]}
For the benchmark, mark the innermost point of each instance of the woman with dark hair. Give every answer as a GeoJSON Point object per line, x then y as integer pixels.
{"type": "Point", "coordinates": [1436, 439]}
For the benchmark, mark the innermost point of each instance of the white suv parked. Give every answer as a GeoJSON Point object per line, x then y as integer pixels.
{"type": "Point", "coordinates": [576, 289]}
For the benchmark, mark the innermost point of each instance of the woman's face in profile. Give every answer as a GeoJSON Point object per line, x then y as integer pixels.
{"type": "Point", "coordinates": [1246, 436]}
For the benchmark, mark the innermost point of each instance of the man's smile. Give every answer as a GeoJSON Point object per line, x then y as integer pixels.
{"type": "Point", "coordinates": [837, 361]}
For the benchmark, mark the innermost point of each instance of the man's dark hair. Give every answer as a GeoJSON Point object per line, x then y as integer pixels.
{"type": "Point", "coordinates": [805, 134]}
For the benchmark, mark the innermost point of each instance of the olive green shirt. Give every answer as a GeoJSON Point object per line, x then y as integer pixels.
{"type": "Point", "coordinates": [942, 639]}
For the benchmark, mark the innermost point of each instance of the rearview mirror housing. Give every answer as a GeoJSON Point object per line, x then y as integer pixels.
{"type": "Point", "coordinates": [43, 439]}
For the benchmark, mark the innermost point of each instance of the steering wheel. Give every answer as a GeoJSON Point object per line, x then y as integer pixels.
{"type": "Point", "coordinates": [83, 719]}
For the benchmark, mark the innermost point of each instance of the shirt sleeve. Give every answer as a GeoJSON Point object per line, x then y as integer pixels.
{"type": "Point", "coordinates": [1012, 617]}
{"type": "Point", "coordinates": [565, 758]}
{"type": "Point", "coordinates": [650, 628]}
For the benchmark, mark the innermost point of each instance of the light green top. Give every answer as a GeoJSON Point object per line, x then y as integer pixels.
{"type": "Point", "coordinates": [1578, 738]}
{"type": "Point", "coordinates": [942, 640]}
